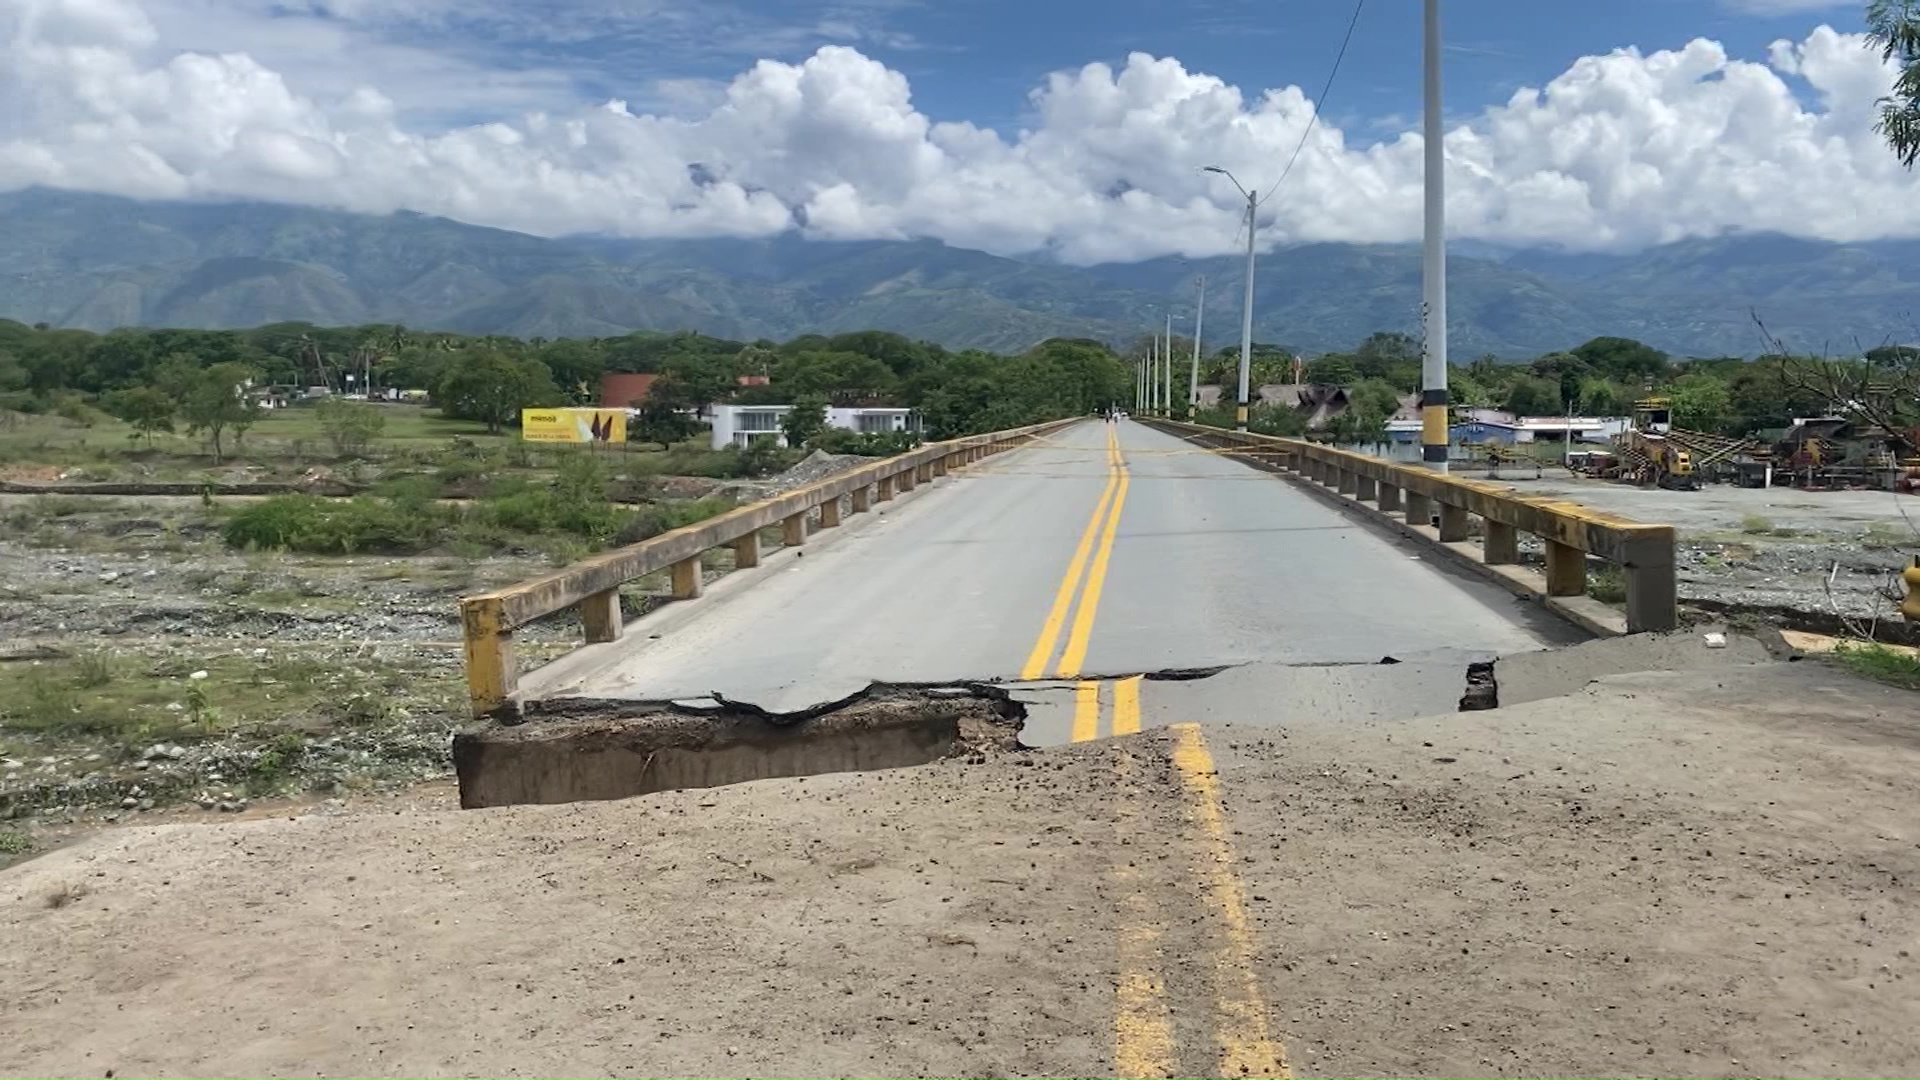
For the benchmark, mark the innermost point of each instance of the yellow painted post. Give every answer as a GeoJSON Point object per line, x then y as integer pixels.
{"type": "Point", "coordinates": [1502, 542]}
{"type": "Point", "coordinates": [746, 552]}
{"type": "Point", "coordinates": [1453, 523]}
{"type": "Point", "coordinates": [600, 614]}
{"type": "Point", "coordinates": [863, 499]}
{"type": "Point", "coordinates": [1389, 497]}
{"type": "Point", "coordinates": [830, 513]}
{"type": "Point", "coordinates": [1566, 570]}
{"type": "Point", "coordinates": [686, 579]}
{"type": "Point", "coordinates": [884, 489]}
{"type": "Point", "coordinates": [489, 646]}
{"type": "Point", "coordinates": [793, 531]}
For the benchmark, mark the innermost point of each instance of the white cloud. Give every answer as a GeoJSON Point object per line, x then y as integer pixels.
{"type": "Point", "coordinates": [1620, 151]}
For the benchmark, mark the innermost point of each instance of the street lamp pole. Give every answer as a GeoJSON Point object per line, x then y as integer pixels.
{"type": "Point", "coordinates": [1169, 374]}
{"type": "Point", "coordinates": [1434, 434]}
{"type": "Point", "coordinates": [1193, 373]}
{"type": "Point", "coordinates": [1246, 314]}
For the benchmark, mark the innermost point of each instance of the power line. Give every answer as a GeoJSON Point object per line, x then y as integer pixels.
{"type": "Point", "coordinates": [1320, 104]}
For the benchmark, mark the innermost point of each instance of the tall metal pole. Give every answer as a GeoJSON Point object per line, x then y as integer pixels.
{"type": "Point", "coordinates": [1433, 398]}
{"type": "Point", "coordinates": [1246, 323]}
{"type": "Point", "coordinates": [1153, 373]}
{"type": "Point", "coordinates": [1169, 390]}
{"type": "Point", "coordinates": [1193, 373]}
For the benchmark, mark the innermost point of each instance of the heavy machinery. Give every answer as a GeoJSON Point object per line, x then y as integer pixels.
{"type": "Point", "coordinates": [1651, 452]}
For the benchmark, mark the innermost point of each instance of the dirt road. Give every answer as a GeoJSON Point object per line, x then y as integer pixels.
{"type": "Point", "coordinates": [1672, 874]}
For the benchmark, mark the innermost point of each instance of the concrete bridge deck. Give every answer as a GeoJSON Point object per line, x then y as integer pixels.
{"type": "Point", "coordinates": [1106, 551]}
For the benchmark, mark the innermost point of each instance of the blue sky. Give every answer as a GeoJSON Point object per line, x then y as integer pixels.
{"type": "Point", "coordinates": [600, 116]}
{"type": "Point", "coordinates": [977, 59]}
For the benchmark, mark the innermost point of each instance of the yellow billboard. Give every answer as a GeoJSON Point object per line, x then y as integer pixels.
{"type": "Point", "coordinates": [573, 425]}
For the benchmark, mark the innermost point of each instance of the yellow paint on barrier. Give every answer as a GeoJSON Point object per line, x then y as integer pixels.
{"type": "Point", "coordinates": [1246, 1046]}
{"type": "Point", "coordinates": [573, 425]}
{"type": "Point", "coordinates": [1433, 425]}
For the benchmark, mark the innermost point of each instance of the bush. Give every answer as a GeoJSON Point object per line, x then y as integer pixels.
{"type": "Point", "coordinates": [351, 426]}
{"type": "Point", "coordinates": [334, 527]}
{"type": "Point", "coordinates": [865, 444]}
{"type": "Point", "coordinates": [665, 517]}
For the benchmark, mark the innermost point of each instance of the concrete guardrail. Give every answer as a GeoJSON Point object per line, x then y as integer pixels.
{"type": "Point", "coordinates": [488, 620]}
{"type": "Point", "coordinates": [1440, 508]}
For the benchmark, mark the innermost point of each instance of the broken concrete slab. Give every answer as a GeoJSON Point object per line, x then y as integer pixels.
{"type": "Point", "coordinates": [618, 750]}
{"type": "Point", "coordinates": [1552, 673]}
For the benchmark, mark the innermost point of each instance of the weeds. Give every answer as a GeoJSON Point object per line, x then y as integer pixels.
{"type": "Point", "coordinates": [1608, 585]}
{"type": "Point", "coordinates": [1755, 525]}
{"type": "Point", "coordinates": [1874, 661]}
{"type": "Point", "coordinates": [92, 670]}
{"type": "Point", "coordinates": [13, 842]}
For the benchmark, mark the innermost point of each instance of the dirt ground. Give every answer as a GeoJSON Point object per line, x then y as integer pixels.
{"type": "Point", "coordinates": [1672, 874]}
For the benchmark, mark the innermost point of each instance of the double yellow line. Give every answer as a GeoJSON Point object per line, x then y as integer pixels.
{"type": "Point", "coordinates": [1086, 577]}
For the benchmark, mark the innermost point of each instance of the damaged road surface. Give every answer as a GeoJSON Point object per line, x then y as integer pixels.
{"type": "Point", "coordinates": [1038, 561]}
{"type": "Point", "coordinates": [1698, 872]}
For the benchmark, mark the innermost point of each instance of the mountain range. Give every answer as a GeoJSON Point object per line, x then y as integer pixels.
{"type": "Point", "coordinates": [98, 262]}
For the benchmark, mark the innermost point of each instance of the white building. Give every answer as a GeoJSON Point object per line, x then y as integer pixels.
{"type": "Point", "coordinates": [739, 425]}
{"type": "Point", "coordinates": [1593, 429]}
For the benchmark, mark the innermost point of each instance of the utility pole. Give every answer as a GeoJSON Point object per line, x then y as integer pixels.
{"type": "Point", "coordinates": [1169, 390]}
{"type": "Point", "coordinates": [1193, 374]}
{"type": "Point", "coordinates": [1434, 433]}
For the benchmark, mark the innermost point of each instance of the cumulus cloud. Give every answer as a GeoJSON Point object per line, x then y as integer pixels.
{"type": "Point", "coordinates": [1620, 151]}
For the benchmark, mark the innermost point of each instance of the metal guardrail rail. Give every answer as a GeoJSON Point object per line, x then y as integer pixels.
{"type": "Point", "coordinates": [488, 620]}
{"type": "Point", "coordinates": [1441, 507]}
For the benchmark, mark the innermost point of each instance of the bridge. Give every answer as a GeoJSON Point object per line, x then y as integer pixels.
{"type": "Point", "coordinates": [1237, 756]}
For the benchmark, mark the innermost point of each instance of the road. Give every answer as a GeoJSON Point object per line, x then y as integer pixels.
{"type": "Point", "coordinates": [1104, 552]}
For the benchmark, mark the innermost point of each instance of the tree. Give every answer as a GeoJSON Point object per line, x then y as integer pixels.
{"type": "Point", "coordinates": [1700, 403]}
{"type": "Point", "coordinates": [1894, 25]}
{"type": "Point", "coordinates": [351, 426]}
{"type": "Point", "coordinates": [807, 418]}
{"type": "Point", "coordinates": [1624, 359]}
{"type": "Point", "coordinates": [659, 419]}
{"type": "Point", "coordinates": [1534, 397]}
{"type": "Point", "coordinates": [146, 409]}
{"type": "Point", "coordinates": [215, 402]}
{"type": "Point", "coordinates": [487, 385]}
{"type": "Point", "coordinates": [1333, 369]}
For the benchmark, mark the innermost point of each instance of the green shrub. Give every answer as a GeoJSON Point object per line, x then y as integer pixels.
{"type": "Point", "coordinates": [334, 527]}
{"type": "Point", "coordinates": [663, 517]}
{"type": "Point", "coordinates": [865, 444]}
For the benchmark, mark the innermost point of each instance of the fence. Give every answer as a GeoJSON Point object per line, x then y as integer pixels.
{"type": "Point", "coordinates": [1442, 508]}
{"type": "Point", "coordinates": [489, 619]}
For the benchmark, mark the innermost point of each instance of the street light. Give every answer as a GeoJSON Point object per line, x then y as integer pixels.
{"type": "Point", "coordinates": [1193, 374]}
{"type": "Point", "coordinates": [1246, 315]}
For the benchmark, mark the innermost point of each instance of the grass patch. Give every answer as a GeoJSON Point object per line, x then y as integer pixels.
{"type": "Point", "coordinates": [1886, 534]}
{"type": "Point", "coordinates": [1607, 585]}
{"type": "Point", "coordinates": [146, 700]}
{"type": "Point", "coordinates": [13, 842]}
{"type": "Point", "coordinates": [1755, 525]}
{"type": "Point", "coordinates": [1877, 662]}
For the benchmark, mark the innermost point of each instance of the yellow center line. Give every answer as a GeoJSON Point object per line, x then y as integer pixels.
{"type": "Point", "coordinates": [1247, 1048]}
{"type": "Point", "coordinates": [1126, 706]}
{"type": "Point", "coordinates": [1037, 660]}
{"type": "Point", "coordinates": [1086, 712]}
{"type": "Point", "coordinates": [1075, 653]}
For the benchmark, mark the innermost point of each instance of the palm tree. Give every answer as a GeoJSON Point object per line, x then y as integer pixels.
{"type": "Point", "coordinates": [1894, 25]}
